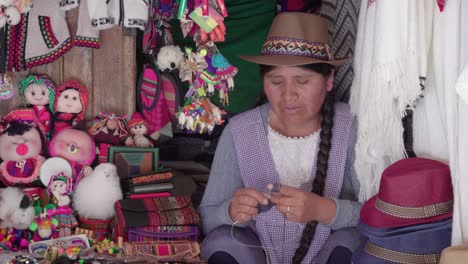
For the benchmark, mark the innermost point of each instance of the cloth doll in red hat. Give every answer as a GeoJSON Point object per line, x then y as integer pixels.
{"type": "Point", "coordinates": [70, 105]}
{"type": "Point", "coordinates": [108, 129]}
{"type": "Point", "coordinates": [39, 93]}
{"type": "Point", "coordinates": [138, 131]}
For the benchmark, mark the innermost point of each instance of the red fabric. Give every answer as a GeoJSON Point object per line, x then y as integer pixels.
{"type": "Point", "coordinates": [441, 4]}
{"type": "Point", "coordinates": [412, 182]}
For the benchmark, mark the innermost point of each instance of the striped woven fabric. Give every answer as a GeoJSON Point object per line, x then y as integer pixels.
{"type": "Point", "coordinates": [414, 212]}
{"type": "Point", "coordinates": [399, 257]}
{"type": "Point", "coordinates": [342, 19]}
{"type": "Point", "coordinates": [157, 177]}
{"type": "Point", "coordinates": [155, 233]}
{"type": "Point", "coordinates": [160, 211]}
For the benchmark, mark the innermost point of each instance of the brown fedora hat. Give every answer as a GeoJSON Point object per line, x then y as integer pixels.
{"type": "Point", "coordinates": [296, 39]}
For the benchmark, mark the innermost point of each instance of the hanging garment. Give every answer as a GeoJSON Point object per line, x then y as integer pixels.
{"type": "Point", "coordinates": [42, 36]}
{"type": "Point", "coordinates": [342, 20]}
{"type": "Point", "coordinates": [129, 13]}
{"type": "Point", "coordinates": [386, 83]}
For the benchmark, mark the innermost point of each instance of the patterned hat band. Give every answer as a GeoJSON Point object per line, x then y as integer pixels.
{"type": "Point", "coordinates": [296, 47]}
{"type": "Point", "coordinates": [399, 257]}
{"type": "Point", "coordinates": [414, 212]}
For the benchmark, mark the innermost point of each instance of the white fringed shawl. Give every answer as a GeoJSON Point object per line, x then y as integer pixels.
{"type": "Point", "coordinates": [386, 83]}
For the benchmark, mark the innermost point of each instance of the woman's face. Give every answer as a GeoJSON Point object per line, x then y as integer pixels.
{"type": "Point", "coordinates": [296, 94]}
{"type": "Point", "coordinates": [69, 102]}
{"type": "Point", "coordinates": [37, 94]}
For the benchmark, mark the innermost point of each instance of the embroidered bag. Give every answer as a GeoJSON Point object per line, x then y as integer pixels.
{"type": "Point", "coordinates": [161, 233]}
{"type": "Point", "coordinates": [160, 211]}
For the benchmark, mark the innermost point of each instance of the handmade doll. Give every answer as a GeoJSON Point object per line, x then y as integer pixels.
{"type": "Point", "coordinates": [108, 129]}
{"type": "Point", "coordinates": [16, 209]}
{"type": "Point", "coordinates": [70, 105]}
{"type": "Point", "coordinates": [44, 223]}
{"type": "Point", "coordinates": [39, 92]}
{"type": "Point", "coordinates": [20, 147]}
{"type": "Point", "coordinates": [56, 175]}
{"type": "Point", "coordinates": [138, 131]}
{"type": "Point", "coordinates": [77, 147]}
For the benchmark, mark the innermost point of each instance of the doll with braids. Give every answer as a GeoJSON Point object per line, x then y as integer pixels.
{"type": "Point", "coordinates": [282, 187]}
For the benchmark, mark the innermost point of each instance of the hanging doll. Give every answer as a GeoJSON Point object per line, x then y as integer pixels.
{"type": "Point", "coordinates": [56, 175]}
{"type": "Point", "coordinates": [21, 145]}
{"type": "Point", "coordinates": [138, 131]}
{"type": "Point", "coordinates": [70, 105]}
{"type": "Point", "coordinates": [39, 92]}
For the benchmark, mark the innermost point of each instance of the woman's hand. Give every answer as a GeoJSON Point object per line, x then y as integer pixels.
{"type": "Point", "coordinates": [244, 204]}
{"type": "Point", "coordinates": [300, 206]}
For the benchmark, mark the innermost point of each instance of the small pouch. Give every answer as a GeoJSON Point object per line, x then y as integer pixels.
{"type": "Point", "coordinates": [173, 251]}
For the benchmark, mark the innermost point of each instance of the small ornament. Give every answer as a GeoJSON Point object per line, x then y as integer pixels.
{"type": "Point", "coordinates": [6, 87]}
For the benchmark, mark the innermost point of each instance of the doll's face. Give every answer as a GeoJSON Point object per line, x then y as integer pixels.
{"type": "Point", "coordinates": [37, 94]}
{"type": "Point", "coordinates": [20, 147]}
{"type": "Point", "coordinates": [111, 124]}
{"type": "Point", "coordinates": [140, 129]}
{"type": "Point", "coordinates": [73, 145]}
{"type": "Point", "coordinates": [69, 102]}
{"type": "Point", "coordinates": [60, 186]}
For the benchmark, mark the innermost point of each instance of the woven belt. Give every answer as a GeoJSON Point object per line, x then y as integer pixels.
{"type": "Point", "coordinates": [414, 212]}
{"type": "Point", "coordinates": [398, 257]}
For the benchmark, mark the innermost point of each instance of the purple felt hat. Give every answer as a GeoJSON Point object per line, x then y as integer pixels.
{"type": "Point", "coordinates": [413, 244]}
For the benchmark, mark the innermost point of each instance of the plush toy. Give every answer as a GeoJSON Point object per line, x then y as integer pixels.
{"type": "Point", "coordinates": [39, 92]}
{"type": "Point", "coordinates": [138, 131]}
{"type": "Point", "coordinates": [70, 105]}
{"type": "Point", "coordinates": [97, 193]}
{"type": "Point", "coordinates": [108, 129]}
{"type": "Point", "coordinates": [169, 58]}
{"type": "Point", "coordinates": [56, 175]}
{"type": "Point", "coordinates": [77, 147]}
{"type": "Point", "coordinates": [45, 222]}
{"type": "Point", "coordinates": [20, 147]}
{"type": "Point", "coordinates": [16, 209]}
{"type": "Point", "coordinates": [12, 15]}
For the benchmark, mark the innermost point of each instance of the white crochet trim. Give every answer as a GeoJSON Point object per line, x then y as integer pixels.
{"type": "Point", "coordinates": [293, 156]}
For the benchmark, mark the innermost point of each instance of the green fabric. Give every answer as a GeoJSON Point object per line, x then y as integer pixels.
{"type": "Point", "coordinates": [247, 27]}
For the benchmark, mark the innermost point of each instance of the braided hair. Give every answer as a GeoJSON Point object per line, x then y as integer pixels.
{"type": "Point", "coordinates": [328, 111]}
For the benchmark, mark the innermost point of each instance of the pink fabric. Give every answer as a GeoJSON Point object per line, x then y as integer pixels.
{"type": "Point", "coordinates": [44, 117]}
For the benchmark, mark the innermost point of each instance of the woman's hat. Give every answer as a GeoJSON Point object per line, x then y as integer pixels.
{"type": "Point", "coordinates": [296, 39]}
{"type": "Point", "coordinates": [414, 244]}
{"type": "Point", "coordinates": [412, 191]}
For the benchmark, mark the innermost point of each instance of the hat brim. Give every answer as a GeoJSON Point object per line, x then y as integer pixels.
{"type": "Point", "coordinates": [371, 216]}
{"type": "Point", "coordinates": [290, 60]}
{"type": "Point", "coordinates": [53, 166]}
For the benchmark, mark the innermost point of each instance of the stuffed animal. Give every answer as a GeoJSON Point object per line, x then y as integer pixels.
{"type": "Point", "coordinates": [16, 209]}
{"type": "Point", "coordinates": [56, 175]}
{"type": "Point", "coordinates": [39, 92]}
{"type": "Point", "coordinates": [45, 222]}
{"type": "Point", "coordinates": [12, 15]}
{"type": "Point", "coordinates": [97, 193]}
{"type": "Point", "coordinates": [138, 131]}
{"type": "Point", "coordinates": [70, 105]}
{"type": "Point", "coordinates": [20, 147]}
{"type": "Point", "coordinates": [77, 147]}
{"type": "Point", "coordinates": [169, 58]}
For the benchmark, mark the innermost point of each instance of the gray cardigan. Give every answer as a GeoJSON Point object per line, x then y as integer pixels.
{"type": "Point", "coordinates": [225, 180]}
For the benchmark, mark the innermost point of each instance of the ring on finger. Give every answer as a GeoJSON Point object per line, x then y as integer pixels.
{"type": "Point", "coordinates": [288, 209]}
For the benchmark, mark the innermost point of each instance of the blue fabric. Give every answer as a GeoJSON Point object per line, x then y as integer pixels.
{"type": "Point", "coordinates": [244, 248]}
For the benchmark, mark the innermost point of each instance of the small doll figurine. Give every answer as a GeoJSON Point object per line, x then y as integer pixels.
{"type": "Point", "coordinates": [20, 147]}
{"type": "Point", "coordinates": [39, 92]}
{"type": "Point", "coordinates": [70, 105]}
{"type": "Point", "coordinates": [109, 129]}
{"type": "Point", "coordinates": [138, 131]}
{"type": "Point", "coordinates": [56, 175]}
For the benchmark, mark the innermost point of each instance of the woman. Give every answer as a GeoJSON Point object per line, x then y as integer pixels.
{"type": "Point", "coordinates": [300, 140]}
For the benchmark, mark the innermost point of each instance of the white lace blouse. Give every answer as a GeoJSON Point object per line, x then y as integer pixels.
{"type": "Point", "coordinates": [293, 156]}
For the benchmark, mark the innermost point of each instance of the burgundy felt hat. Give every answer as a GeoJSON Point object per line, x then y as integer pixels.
{"type": "Point", "coordinates": [412, 191]}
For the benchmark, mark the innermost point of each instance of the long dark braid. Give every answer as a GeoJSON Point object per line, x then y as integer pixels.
{"type": "Point", "coordinates": [328, 112]}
